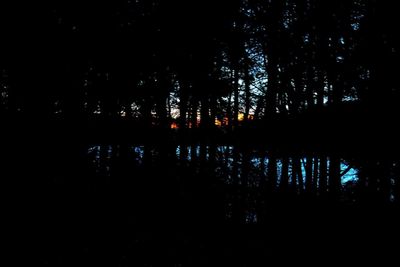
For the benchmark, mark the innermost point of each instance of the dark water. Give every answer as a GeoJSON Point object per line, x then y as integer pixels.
{"type": "Point", "coordinates": [252, 169]}
{"type": "Point", "coordinates": [198, 205]}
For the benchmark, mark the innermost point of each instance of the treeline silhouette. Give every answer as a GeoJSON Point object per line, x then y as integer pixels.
{"type": "Point", "coordinates": [294, 76]}
{"type": "Point", "coordinates": [195, 64]}
{"type": "Point", "coordinates": [125, 124]}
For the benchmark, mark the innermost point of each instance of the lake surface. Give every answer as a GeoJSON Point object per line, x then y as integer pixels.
{"type": "Point", "coordinates": [250, 169]}
{"type": "Point", "coordinates": [199, 205]}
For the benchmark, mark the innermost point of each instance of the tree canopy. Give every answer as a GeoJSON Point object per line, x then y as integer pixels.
{"type": "Point", "coordinates": [195, 63]}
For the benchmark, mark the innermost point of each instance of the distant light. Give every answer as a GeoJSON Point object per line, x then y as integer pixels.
{"type": "Point", "coordinates": [174, 125]}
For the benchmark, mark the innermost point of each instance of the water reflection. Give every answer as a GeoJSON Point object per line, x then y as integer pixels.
{"type": "Point", "coordinates": [241, 182]}
{"type": "Point", "coordinates": [350, 175]}
{"type": "Point", "coordinates": [227, 160]}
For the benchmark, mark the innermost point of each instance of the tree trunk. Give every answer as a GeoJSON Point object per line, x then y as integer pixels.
{"type": "Point", "coordinates": [194, 108]}
{"type": "Point", "coordinates": [247, 103]}
{"type": "Point", "coordinates": [147, 116]}
{"type": "Point", "coordinates": [236, 99]}
{"type": "Point", "coordinates": [183, 108]}
{"type": "Point", "coordinates": [205, 113]}
{"type": "Point", "coordinates": [229, 111]}
{"type": "Point", "coordinates": [270, 96]}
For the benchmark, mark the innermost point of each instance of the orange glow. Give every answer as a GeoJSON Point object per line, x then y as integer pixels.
{"type": "Point", "coordinates": [217, 122]}
{"type": "Point", "coordinates": [241, 117]}
{"type": "Point", "coordinates": [174, 125]}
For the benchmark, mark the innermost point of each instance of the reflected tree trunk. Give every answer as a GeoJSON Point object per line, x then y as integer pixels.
{"type": "Point", "coordinates": [309, 173]}
{"type": "Point", "coordinates": [193, 153]}
{"type": "Point", "coordinates": [212, 155]}
{"type": "Point", "coordinates": [297, 174]}
{"type": "Point", "coordinates": [183, 149]}
{"type": "Point", "coordinates": [237, 188]}
{"type": "Point", "coordinates": [203, 154]}
{"type": "Point", "coordinates": [272, 172]}
{"type": "Point", "coordinates": [334, 177]}
{"type": "Point", "coordinates": [246, 166]}
{"type": "Point", "coordinates": [285, 174]}
{"type": "Point", "coordinates": [315, 174]}
{"type": "Point", "coordinates": [363, 182]}
{"type": "Point", "coordinates": [323, 176]}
